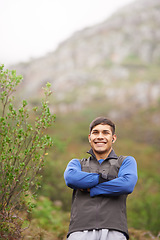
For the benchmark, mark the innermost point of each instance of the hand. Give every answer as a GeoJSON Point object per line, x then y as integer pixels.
{"type": "Point", "coordinates": [102, 178]}
{"type": "Point", "coordinates": [105, 178]}
{"type": "Point", "coordinates": [85, 190]}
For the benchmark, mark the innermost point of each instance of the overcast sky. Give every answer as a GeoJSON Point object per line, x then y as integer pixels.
{"type": "Point", "coordinates": [32, 28]}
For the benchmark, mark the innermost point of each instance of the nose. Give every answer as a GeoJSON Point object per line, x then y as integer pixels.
{"type": "Point", "coordinates": [100, 135]}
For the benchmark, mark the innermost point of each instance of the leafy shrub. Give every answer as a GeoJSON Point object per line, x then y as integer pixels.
{"type": "Point", "coordinates": [23, 147]}
{"type": "Point", "coordinates": [50, 217]}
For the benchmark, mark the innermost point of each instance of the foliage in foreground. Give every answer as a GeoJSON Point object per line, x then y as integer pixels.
{"type": "Point", "coordinates": [49, 220]}
{"type": "Point", "coordinates": [23, 147]}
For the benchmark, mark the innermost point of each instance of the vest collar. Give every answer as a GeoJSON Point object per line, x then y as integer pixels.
{"type": "Point", "coordinates": [112, 154]}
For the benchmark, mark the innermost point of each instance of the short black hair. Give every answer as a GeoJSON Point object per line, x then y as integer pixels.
{"type": "Point", "coordinates": [103, 121]}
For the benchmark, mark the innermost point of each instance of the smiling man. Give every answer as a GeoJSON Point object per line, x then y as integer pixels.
{"type": "Point", "coordinates": [100, 186]}
{"type": "Point", "coordinates": [101, 138]}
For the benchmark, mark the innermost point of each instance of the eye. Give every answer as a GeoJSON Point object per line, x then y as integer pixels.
{"type": "Point", "coordinates": [105, 132]}
{"type": "Point", "coordinates": [95, 132]}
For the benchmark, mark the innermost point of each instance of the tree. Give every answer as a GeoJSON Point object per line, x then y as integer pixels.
{"type": "Point", "coordinates": [23, 146]}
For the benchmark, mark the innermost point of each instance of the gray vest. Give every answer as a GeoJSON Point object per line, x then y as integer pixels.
{"type": "Point", "coordinates": [101, 211]}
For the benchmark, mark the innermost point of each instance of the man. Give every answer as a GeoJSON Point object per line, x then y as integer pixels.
{"type": "Point", "coordinates": [100, 186]}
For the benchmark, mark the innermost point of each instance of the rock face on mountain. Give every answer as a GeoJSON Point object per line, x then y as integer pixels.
{"type": "Point", "coordinates": [115, 63]}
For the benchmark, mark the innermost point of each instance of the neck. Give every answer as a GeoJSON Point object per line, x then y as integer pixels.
{"type": "Point", "coordinates": [102, 155]}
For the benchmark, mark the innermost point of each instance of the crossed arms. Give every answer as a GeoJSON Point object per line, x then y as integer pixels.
{"type": "Point", "coordinates": [75, 178]}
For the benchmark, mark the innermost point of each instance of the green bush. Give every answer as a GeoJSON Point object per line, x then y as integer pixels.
{"type": "Point", "coordinates": [50, 217]}
{"type": "Point", "coordinates": [23, 147]}
{"type": "Point", "coordinates": [144, 208]}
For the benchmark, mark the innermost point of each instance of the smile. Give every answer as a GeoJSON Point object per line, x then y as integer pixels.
{"type": "Point", "coordinates": [100, 143]}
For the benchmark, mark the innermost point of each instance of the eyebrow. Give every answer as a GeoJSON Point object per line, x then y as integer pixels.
{"type": "Point", "coordinates": [96, 130]}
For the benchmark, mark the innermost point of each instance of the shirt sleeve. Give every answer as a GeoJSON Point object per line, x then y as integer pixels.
{"type": "Point", "coordinates": [124, 184]}
{"type": "Point", "coordinates": [75, 178]}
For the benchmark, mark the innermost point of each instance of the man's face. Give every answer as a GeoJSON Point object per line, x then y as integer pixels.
{"type": "Point", "coordinates": [101, 140]}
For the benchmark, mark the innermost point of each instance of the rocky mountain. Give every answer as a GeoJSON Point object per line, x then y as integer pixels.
{"type": "Point", "coordinates": [113, 65]}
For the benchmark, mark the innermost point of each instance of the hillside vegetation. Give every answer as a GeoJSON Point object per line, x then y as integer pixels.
{"type": "Point", "coordinates": [110, 69]}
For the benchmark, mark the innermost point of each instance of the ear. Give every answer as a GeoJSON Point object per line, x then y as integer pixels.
{"type": "Point", "coordinates": [89, 138]}
{"type": "Point", "coordinates": [114, 138]}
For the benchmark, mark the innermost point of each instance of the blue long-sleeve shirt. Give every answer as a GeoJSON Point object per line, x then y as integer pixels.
{"type": "Point", "coordinates": [127, 177]}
